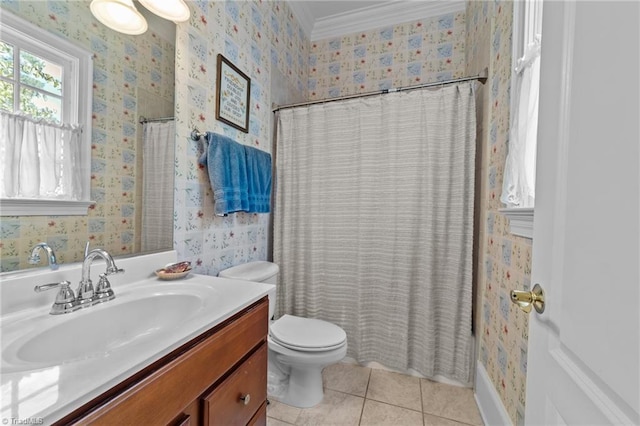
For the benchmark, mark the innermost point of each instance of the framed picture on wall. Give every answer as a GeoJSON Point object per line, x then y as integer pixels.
{"type": "Point", "coordinates": [232, 103]}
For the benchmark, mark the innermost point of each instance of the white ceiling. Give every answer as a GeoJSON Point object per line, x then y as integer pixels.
{"type": "Point", "coordinates": [324, 9]}
{"type": "Point", "coordinates": [322, 19]}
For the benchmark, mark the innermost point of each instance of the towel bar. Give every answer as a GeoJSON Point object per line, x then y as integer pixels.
{"type": "Point", "coordinates": [196, 135]}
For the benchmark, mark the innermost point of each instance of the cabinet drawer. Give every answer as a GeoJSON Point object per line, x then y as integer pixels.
{"type": "Point", "coordinates": [157, 394]}
{"type": "Point", "coordinates": [260, 418]}
{"type": "Point", "coordinates": [225, 404]}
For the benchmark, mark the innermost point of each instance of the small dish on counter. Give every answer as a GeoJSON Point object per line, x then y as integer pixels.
{"type": "Point", "coordinates": [174, 271]}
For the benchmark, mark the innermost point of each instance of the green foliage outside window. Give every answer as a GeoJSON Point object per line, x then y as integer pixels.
{"type": "Point", "coordinates": [32, 76]}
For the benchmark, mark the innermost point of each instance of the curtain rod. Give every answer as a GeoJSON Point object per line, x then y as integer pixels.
{"type": "Point", "coordinates": [144, 119]}
{"type": "Point", "coordinates": [482, 78]}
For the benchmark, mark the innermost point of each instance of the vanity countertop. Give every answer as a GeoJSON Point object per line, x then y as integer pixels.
{"type": "Point", "coordinates": [46, 392]}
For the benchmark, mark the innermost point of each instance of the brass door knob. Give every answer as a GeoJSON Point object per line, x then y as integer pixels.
{"type": "Point", "coordinates": [526, 299]}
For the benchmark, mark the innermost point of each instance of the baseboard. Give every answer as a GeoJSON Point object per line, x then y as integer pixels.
{"type": "Point", "coordinates": [410, 372]}
{"type": "Point", "coordinates": [491, 408]}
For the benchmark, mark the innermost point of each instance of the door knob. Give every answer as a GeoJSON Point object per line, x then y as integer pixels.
{"type": "Point", "coordinates": [526, 299]}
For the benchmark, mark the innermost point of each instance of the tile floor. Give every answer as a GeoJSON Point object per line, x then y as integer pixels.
{"type": "Point", "coordinates": [356, 395]}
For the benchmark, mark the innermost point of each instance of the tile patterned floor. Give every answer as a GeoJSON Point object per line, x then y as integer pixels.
{"type": "Point", "coordinates": [363, 396]}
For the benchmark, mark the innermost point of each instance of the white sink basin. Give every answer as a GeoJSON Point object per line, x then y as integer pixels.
{"type": "Point", "coordinates": [134, 317]}
{"type": "Point", "coordinates": [99, 332]}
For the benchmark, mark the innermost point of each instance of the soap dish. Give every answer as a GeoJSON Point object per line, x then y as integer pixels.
{"type": "Point", "coordinates": [174, 271]}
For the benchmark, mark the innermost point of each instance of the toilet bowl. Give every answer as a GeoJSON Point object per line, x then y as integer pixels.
{"type": "Point", "coordinates": [299, 348]}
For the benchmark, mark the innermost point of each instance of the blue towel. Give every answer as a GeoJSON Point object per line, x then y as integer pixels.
{"type": "Point", "coordinates": [259, 179]}
{"type": "Point", "coordinates": [226, 163]}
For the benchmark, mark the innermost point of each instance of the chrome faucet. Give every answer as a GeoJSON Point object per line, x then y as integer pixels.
{"type": "Point", "coordinates": [34, 258]}
{"type": "Point", "coordinates": [66, 301]}
{"type": "Point", "coordinates": [85, 294]}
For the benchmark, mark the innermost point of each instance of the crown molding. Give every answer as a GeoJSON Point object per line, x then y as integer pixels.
{"type": "Point", "coordinates": [372, 17]}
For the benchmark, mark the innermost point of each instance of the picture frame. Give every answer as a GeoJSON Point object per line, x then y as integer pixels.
{"type": "Point", "coordinates": [233, 95]}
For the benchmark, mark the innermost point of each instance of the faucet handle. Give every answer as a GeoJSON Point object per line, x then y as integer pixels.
{"type": "Point", "coordinates": [43, 287]}
{"type": "Point", "coordinates": [104, 292]}
{"type": "Point", "coordinates": [65, 295]}
{"type": "Point", "coordinates": [65, 299]}
{"type": "Point", "coordinates": [64, 286]}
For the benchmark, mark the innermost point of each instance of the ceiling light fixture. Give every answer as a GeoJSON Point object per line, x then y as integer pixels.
{"type": "Point", "coordinates": [173, 10]}
{"type": "Point", "coordinates": [119, 15]}
{"type": "Point", "coordinates": [122, 15]}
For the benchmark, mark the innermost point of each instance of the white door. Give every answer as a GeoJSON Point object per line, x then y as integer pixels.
{"type": "Point", "coordinates": [583, 365]}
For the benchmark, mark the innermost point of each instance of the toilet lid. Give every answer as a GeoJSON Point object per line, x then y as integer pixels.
{"type": "Point", "coordinates": [306, 334]}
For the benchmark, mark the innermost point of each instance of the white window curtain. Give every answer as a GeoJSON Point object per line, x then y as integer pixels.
{"type": "Point", "coordinates": [518, 187]}
{"type": "Point", "coordinates": [40, 160]}
{"type": "Point", "coordinates": [373, 224]}
{"type": "Point", "coordinates": [158, 177]}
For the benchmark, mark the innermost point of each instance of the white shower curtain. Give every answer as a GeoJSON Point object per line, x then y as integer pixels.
{"type": "Point", "coordinates": [374, 224]}
{"type": "Point", "coordinates": [158, 177]}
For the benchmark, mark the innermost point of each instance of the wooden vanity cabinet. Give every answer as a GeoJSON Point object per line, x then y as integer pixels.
{"type": "Point", "coordinates": [245, 386]}
{"type": "Point", "coordinates": [218, 378]}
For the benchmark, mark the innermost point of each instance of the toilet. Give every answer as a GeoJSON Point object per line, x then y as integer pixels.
{"type": "Point", "coordinates": [299, 348]}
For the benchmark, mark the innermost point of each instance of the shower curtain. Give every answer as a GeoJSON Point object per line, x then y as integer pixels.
{"type": "Point", "coordinates": [157, 195]}
{"type": "Point", "coordinates": [374, 224]}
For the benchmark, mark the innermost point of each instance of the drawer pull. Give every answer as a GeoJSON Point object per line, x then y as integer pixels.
{"type": "Point", "coordinates": [246, 399]}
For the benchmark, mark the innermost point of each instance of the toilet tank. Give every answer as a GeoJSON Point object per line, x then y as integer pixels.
{"type": "Point", "coordinates": [258, 271]}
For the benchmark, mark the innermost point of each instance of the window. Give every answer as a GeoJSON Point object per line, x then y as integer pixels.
{"type": "Point", "coordinates": [45, 107]}
{"type": "Point", "coordinates": [518, 190]}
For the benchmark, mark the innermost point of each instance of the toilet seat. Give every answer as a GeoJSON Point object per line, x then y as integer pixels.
{"type": "Point", "coordinates": [307, 334]}
{"type": "Point", "coordinates": [306, 349]}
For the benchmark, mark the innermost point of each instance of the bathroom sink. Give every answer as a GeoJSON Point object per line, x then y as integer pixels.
{"type": "Point", "coordinates": [101, 331]}
{"type": "Point", "coordinates": [130, 321]}
{"type": "Point", "coordinates": [52, 365]}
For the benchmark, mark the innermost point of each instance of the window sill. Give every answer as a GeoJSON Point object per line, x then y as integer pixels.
{"type": "Point", "coordinates": [34, 207]}
{"type": "Point", "coordinates": [520, 221]}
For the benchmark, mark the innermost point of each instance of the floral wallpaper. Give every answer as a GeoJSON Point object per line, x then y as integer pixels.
{"type": "Point", "coordinates": [263, 39]}
{"type": "Point", "coordinates": [430, 49]}
{"type": "Point", "coordinates": [122, 65]}
{"type": "Point", "coordinates": [260, 38]}
{"type": "Point", "coordinates": [504, 259]}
